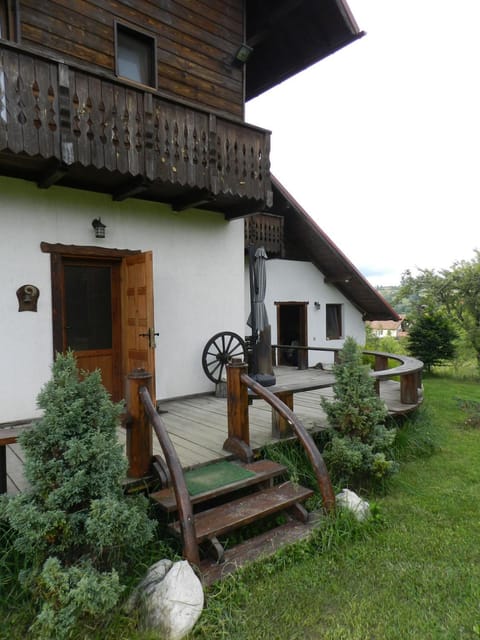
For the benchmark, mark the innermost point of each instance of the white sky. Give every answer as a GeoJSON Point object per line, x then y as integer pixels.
{"type": "Point", "coordinates": [380, 142]}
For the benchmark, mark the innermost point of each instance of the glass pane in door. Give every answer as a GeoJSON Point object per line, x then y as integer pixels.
{"type": "Point", "coordinates": [88, 307]}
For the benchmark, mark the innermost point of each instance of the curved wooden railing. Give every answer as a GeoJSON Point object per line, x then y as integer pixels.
{"type": "Point", "coordinates": [409, 370]}
{"type": "Point", "coordinates": [184, 505]}
{"type": "Point", "coordinates": [238, 383]}
{"type": "Point", "coordinates": [143, 415]}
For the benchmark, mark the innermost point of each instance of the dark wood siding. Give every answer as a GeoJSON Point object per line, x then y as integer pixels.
{"type": "Point", "coordinates": [196, 42]}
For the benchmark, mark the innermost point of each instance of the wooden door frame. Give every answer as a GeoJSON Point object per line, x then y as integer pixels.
{"type": "Point", "coordinates": [303, 327]}
{"type": "Point", "coordinates": [68, 254]}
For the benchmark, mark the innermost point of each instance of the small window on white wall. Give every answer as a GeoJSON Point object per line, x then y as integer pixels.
{"type": "Point", "coordinates": [334, 321]}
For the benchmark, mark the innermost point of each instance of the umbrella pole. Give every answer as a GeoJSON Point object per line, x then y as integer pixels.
{"type": "Point", "coordinates": [251, 260]}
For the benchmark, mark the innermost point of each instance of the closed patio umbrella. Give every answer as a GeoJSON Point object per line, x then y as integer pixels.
{"type": "Point", "coordinates": [258, 319]}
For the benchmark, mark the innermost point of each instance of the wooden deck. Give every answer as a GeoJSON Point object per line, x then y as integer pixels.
{"type": "Point", "coordinates": [198, 425]}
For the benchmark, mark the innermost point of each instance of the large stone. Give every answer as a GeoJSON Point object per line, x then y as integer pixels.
{"type": "Point", "coordinates": [349, 500]}
{"type": "Point", "coordinates": [170, 598]}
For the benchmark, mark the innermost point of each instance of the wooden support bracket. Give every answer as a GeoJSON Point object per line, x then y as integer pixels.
{"type": "Point", "coordinates": [239, 448]}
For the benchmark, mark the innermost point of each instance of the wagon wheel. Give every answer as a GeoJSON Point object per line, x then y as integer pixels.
{"type": "Point", "coordinates": [219, 351]}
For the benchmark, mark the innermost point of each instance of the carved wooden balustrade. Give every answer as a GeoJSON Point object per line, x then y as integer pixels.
{"type": "Point", "coordinates": [55, 112]}
{"type": "Point", "coordinates": [265, 230]}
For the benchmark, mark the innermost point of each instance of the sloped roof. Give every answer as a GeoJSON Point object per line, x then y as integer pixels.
{"type": "Point", "coordinates": [304, 240]}
{"type": "Point", "coordinates": [385, 325]}
{"type": "Point", "coordinates": [288, 36]}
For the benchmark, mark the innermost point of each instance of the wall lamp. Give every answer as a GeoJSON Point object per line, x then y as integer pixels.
{"type": "Point", "coordinates": [243, 54]}
{"type": "Point", "coordinates": [317, 305]}
{"type": "Point", "coordinates": [99, 228]}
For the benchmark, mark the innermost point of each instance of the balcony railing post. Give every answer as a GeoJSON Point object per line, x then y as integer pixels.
{"type": "Point", "coordinates": [65, 114]}
{"type": "Point", "coordinates": [139, 432]}
{"type": "Point", "coordinates": [212, 154]}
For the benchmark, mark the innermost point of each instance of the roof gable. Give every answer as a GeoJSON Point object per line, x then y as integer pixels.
{"type": "Point", "coordinates": [305, 240]}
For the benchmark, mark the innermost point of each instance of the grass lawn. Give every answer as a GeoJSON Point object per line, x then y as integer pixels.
{"type": "Point", "coordinates": [415, 574]}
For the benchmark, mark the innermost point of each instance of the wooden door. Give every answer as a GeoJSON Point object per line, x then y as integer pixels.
{"type": "Point", "coordinates": [91, 318]}
{"type": "Point", "coordinates": [138, 320]}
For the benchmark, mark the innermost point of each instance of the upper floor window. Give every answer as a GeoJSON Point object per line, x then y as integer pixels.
{"type": "Point", "coordinates": [8, 19]}
{"type": "Point", "coordinates": [135, 55]}
{"type": "Point", "coordinates": [334, 321]}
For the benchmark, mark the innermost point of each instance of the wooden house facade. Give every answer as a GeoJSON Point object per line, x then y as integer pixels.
{"type": "Point", "coordinates": [126, 168]}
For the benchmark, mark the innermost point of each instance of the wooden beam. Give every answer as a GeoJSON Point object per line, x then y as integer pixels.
{"type": "Point", "coordinates": [53, 173]}
{"type": "Point", "coordinates": [130, 189]}
{"type": "Point", "coordinates": [345, 278]}
{"type": "Point", "coordinates": [191, 201]}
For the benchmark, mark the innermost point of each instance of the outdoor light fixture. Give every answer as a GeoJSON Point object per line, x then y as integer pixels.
{"type": "Point", "coordinates": [317, 305]}
{"type": "Point", "coordinates": [99, 228]}
{"type": "Point", "coordinates": [243, 53]}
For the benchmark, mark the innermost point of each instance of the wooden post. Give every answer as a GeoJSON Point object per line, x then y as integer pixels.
{"type": "Point", "coordinates": [381, 364]}
{"type": "Point", "coordinates": [281, 428]}
{"type": "Point", "coordinates": [408, 388]}
{"type": "Point", "coordinates": [3, 468]}
{"type": "Point", "coordinates": [139, 431]}
{"type": "Point", "coordinates": [238, 441]}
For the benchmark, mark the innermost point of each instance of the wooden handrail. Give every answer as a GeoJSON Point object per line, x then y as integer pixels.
{"type": "Point", "coordinates": [184, 504]}
{"type": "Point", "coordinates": [409, 370]}
{"type": "Point", "coordinates": [316, 460]}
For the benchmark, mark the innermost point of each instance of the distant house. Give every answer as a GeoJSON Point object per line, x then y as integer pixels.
{"type": "Point", "coordinates": [315, 296]}
{"type": "Point", "coordinates": [385, 328]}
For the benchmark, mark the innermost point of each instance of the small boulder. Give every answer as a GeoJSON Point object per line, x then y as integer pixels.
{"type": "Point", "coordinates": [170, 598]}
{"type": "Point", "coordinates": [349, 500]}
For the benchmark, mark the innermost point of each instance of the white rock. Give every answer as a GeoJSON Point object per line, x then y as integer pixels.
{"type": "Point", "coordinates": [349, 500]}
{"type": "Point", "coordinates": [171, 599]}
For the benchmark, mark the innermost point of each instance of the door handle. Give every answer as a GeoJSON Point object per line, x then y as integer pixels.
{"type": "Point", "coordinates": [151, 337]}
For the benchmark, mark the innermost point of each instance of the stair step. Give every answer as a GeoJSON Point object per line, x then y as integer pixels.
{"type": "Point", "coordinates": [244, 511]}
{"type": "Point", "coordinates": [264, 470]}
{"type": "Point", "coordinates": [256, 548]}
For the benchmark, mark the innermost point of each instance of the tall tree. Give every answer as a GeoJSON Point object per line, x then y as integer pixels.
{"type": "Point", "coordinates": [455, 291]}
{"type": "Point", "coordinates": [431, 338]}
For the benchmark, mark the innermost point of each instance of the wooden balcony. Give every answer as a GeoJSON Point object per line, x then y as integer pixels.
{"type": "Point", "coordinates": [265, 230]}
{"type": "Point", "coordinates": [66, 126]}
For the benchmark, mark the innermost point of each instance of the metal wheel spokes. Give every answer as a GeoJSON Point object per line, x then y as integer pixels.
{"type": "Point", "coordinates": [221, 349]}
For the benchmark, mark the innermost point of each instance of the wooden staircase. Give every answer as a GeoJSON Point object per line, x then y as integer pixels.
{"type": "Point", "coordinates": [201, 519]}
{"type": "Point", "coordinates": [237, 505]}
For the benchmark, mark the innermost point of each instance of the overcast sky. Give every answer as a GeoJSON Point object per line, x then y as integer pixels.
{"type": "Point", "coordinates": [380, 142]}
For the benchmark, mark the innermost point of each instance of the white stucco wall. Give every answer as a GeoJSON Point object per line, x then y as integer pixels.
{"type": "Point", "coordinates": [198, 282]}
{"type": "Point", "coordinates": [295, 281]}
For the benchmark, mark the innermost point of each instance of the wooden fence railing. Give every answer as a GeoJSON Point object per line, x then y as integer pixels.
{"type": "Point", "coordinates": [142, 417]}
{"type": "Point", "coordinates": [409, 370]}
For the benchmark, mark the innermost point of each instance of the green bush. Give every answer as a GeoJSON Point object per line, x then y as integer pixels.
{"type": "Point", "coordinates": [358, 445]}
{"type": "Point", "coordinates": [74, 526]}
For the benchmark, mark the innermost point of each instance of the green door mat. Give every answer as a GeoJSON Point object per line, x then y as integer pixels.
{"type": "Point", "coordinates": [213, 476]}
